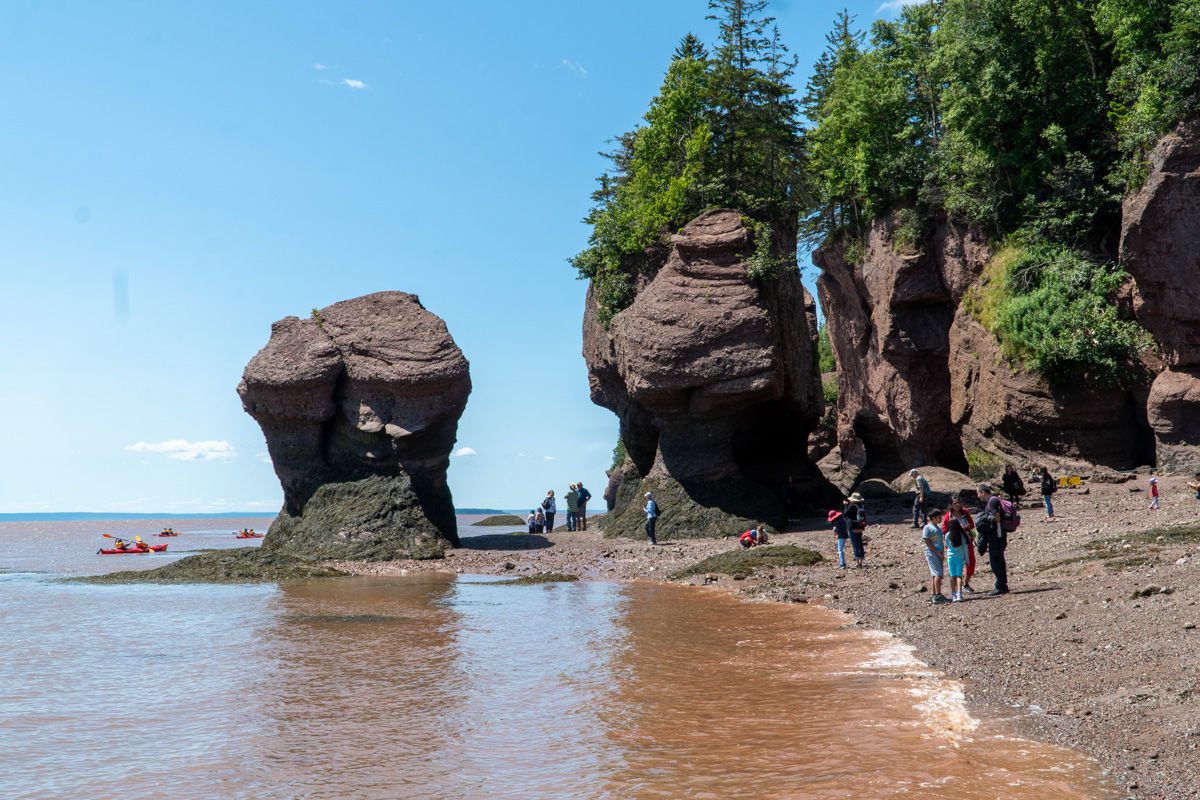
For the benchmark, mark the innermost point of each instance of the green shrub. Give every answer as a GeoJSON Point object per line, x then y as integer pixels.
{"type": "Point", "coordinates": [909, 234]}
{"type": "Point", "coordinates": [825, 357]}
{"type": "Point", "coordinates": [829, 390]}
{"type": "Point", "coordinates": [982, 465]}
{"type": "Point", "coordinates": [1052, 308]}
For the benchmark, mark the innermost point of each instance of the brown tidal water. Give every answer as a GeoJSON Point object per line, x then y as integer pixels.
{"type": "Point", "coordinates": [436, 687]}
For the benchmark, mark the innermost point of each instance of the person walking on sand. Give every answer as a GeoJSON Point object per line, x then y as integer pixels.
{"type": "Point", "coordinates": [957, 546]}
{"type": "Point", "coordinates": [651, 518]}
{"type": "Point", "coordinates": [958, 511]}
{"type": "Point", "coordinates": [1153, 492]}
{"type": "Point", "coordinates": [1049, 487]}
{"type": "Point", "coordinates": [992, 538]}
{"type": "Point", "coordinates": [581, 514]}
{"type": "Point", "coordinates": [842, 530]}
{"type": "Point", "coordinates": [921, 500]}
{"type": "Point", "coordinates": [1014, 487]}
{"type": "Point", "coordinates": [856, 524]}
{"type": "Point", "coordinates": [932, 537]}
{"type": "Point", "coordinates": [572, 507]}
{"type": "Point", "coordinates": [551, 508]}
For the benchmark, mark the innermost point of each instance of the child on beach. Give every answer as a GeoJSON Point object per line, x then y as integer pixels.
{"type": "Point", "coordinates": [932, 537]}
{"type": "Point", "coordinates": [1153, 493]}
{"type": "Point", "coordinates": [840, 527]}
{"type": "Point", "coordinates": [957, 545]}
{"type": "Point", "coordinates": [958, 511]}
{"type": "Point", "coordinates": [531, 521]}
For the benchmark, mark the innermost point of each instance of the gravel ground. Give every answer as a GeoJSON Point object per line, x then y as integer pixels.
{"type": "Point", "coordinates": [1096, 647]}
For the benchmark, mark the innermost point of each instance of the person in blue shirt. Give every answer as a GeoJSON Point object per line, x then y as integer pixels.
{"type": "Point", "coordinates": [581, 514]}
{"type": "Point", "coordinates": [957, 545]}
{"type": "Point", "coordinates": [935, 552]}
{"type": "Point", "coordinates": [651, 517]}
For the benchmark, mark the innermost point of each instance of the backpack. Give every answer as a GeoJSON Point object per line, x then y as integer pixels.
{"type": "Point", "coordinates": [584, 495]}
{"type": "Point", "coordinates": [1010, 516]}
{"type": "Point", "coordinates": [546, 504]}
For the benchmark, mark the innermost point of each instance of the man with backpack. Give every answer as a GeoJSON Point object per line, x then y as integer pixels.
{"type": "Point", "coordinates": [999, 518]}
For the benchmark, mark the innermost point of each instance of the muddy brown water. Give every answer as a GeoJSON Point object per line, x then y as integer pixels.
{"type": "Point", "coordinates": [436, 687]}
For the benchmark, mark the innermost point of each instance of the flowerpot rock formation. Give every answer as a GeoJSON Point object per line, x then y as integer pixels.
{"type": "Point", "coordinates": [713, 376]}
{"type": "Point", "coordinates": [359, 405]}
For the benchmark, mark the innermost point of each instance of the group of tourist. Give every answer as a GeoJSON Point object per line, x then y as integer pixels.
{"type": "Point", "coordinates": [541, 519]}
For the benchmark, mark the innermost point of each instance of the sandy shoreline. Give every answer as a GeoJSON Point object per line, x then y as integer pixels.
{"type": "Point", "coordinates": [1072, 651]}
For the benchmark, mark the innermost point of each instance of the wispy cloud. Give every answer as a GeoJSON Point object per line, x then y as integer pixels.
{"type": "Point", "coordinates": [320, 66]}
{"type": "Point", "coordinates": [549, 458]}
{"type": "Point", "coordinates": [576, 67]}
{"type": "Point", "coordinates": [892, 7]}
{"type": "Point", "coordinates": [464, 451]}
{"type": "Point", "coordinates": [183, 450]}
{"type": "Point", "coordinates": [263, 457]}
{"type": "Point", "coordinates": [353, 84]}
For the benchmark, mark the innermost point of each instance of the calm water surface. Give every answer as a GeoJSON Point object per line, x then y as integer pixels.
{"type": "Point", "coordinates": [436, 687]}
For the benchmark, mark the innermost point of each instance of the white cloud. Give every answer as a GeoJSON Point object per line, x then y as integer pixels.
{"type": "Point", "coordinates": [464, 451]}
{"type": "Point", "coordinates": [319, 66]}
{"type": "Point", "coordinates": [522, 455]}
{"type": "Point", "coordinates": [353, 84]}
{"type": "Point", "coordinates": [575, 67]}
{"type": "Point", "coordinates": [264, 457]}
{"type": "Point", "coordinates": [549, 458]}
{"type": "Point", "coordinates": [891, 7]}
{"type": "Point", "coordinates": [183, 450]}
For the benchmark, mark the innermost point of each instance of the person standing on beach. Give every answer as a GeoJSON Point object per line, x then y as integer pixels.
{"type": "Point", "coordinates": [856, 524]}
{"type": "Point", "coordinates": [931, 536]}
{"type": "Point", "coordinates": [581, 513]}
{"type": "Point", "coordinates": [1153, 492]}
{"type": "Point", "coordinates": [651, 518]}
{"type": "Point", "coordinates": [957, 546]}
{"type": "Point", "coordinates": [551, 508]}
{"type": "Point", "coordinates": [958, 511]}
{"type": "Point", "coordinates": [1049, 487]}
{"type": "Point", "coordinates": [572, 506]}
{"type": "Point", "coordinates": [993, 539]}
{"type": "Point", "coordinates": [842, 530]}
{"type": "Point", "coordinates": [921, 499]}
{"type": "Point", "coordinates": [539, 522]}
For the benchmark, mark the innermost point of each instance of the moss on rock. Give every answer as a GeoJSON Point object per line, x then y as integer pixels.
{"type": "Point", "coordinates": [380, 518]}
{"type": "Point", "coordinates": [744, 562]}
{"type": "Point", "coordinates": [684, 515]}
{"type": "Point", "coordinates": [241, 565]}
{"type": "Point", "coordinates": [541, 577]}
{"type": "Point", "coordinates": [499, 520]}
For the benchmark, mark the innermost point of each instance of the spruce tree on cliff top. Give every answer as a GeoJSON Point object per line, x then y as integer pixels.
{"type": "Point", "coordinates": [723, 131]}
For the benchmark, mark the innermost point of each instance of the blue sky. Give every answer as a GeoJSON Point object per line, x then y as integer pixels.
{"type": "Point", "coordinates": [176, 176]}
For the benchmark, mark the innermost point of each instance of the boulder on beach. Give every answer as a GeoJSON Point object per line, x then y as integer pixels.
{"type": "Point", "coordinates": [359, 404]}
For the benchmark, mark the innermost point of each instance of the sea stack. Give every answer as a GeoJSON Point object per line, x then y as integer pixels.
{"type": "Point", "coordinates": [359, 404]}
{"type": "Point", "coordinates": [713, 376]}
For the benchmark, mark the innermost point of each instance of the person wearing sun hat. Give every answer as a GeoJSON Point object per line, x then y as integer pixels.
{"type": "Point", "coordinates": [856, 523]}
{"type": "Point", "coordinates": [838, 521]}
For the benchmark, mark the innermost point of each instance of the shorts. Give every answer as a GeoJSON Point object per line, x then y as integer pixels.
{"type": "Point", "coordinates": [935, 562]}
{"type": "Point", "coordinates": [954, 564]}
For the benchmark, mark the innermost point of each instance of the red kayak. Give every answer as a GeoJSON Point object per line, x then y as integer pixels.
{"type": "Point", "coordinates": [152, 548]}
{"type": "Point", "coordinates": [164, 535]}
{"type": "Point", "coordinates": [249, 535]}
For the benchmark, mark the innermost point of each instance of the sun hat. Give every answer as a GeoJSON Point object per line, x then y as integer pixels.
{"type": "Point", "coordinates": [648, 494]}
{"type": "Point", "coordinates": [856, 498]}
{"type": "Point", "coordinates": [833, 515]}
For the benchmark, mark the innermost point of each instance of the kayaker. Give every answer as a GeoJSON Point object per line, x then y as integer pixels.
{"type": "Point", "coordinates": [138, 543]}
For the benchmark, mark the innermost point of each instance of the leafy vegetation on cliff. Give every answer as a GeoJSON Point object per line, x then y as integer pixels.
{"type": "Point", "coordinates": [1026, 118]}
{"type": "Point", "coordinates": [1048, 305]}
{"type": "Point", "coordinates": [722, 132]}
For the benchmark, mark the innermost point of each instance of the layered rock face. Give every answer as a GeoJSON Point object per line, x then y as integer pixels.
{"type": "Point", "coordinates": [1160, 247]}
{"type": "Point", "coordinates": [889, 319]}
{"type": "Point", "coordinates": [921, 382]}
{"type": "Point", "coordinates": [359, 406]}
{"type": "Point", "coordinates": [713, 377]}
